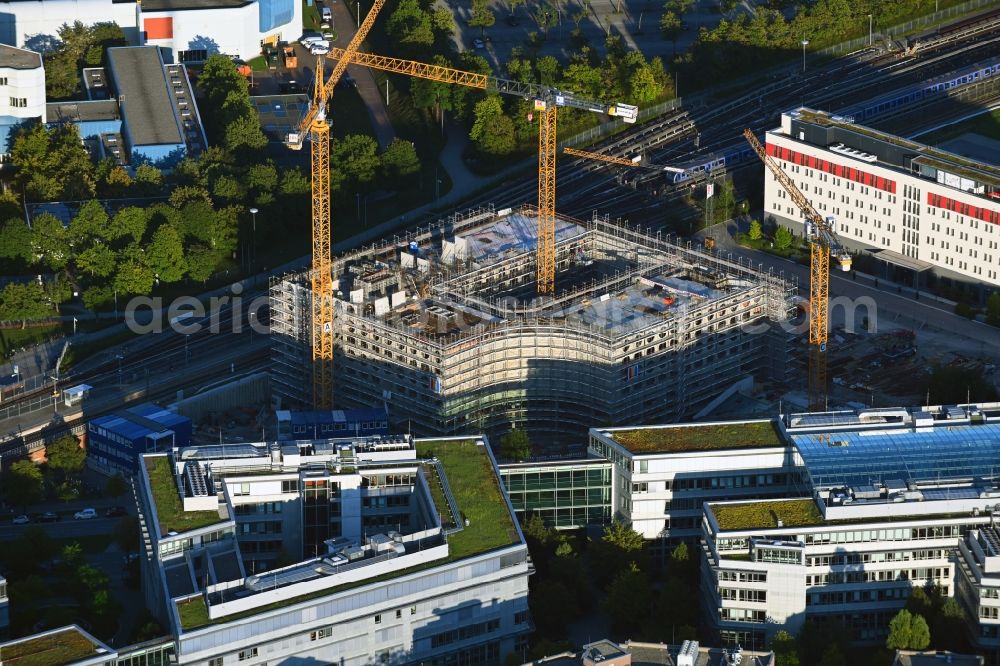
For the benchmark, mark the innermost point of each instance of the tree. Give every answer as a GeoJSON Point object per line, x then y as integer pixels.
{"type": "Point", "coordinates": [23, 483]}
{"type": "Point", "coordinates": [24, 302]}
{"type": "Point", "coordinates": [548, 70]}
{"type": "Point", "coordinates": [410, 25]}
{"type": "Point", "coordinates": [514, 4]}
{"type": "Point", "coordinates": [515, 445]}
{"type": "Point", "coordinates": [201, 261]}
{"type": "Point", "coordinates": [785, 649]}
{"type": "Point", "coordinates": [15, 241]}
{"type": "Point", "coordinates": [116, 486]}
{"type": "Point", "coordinates": [627, 600]}
{"type": "Point", "coordinates": [482, 16]}
{"type": "Point", "coordinates": [50, 241]}
{"type": "Point", "coordinates": [755, 233]}
{"type": "Point", "coordinates": [642, 85]}
{"type": "Point", "coordinates": [907, 632]}
{"type": "Point", "coordinates": [66, 456]}
{"type": "Point", "coordinates": [97, 260]}
{"type": "Point", "coordinates": [165, 254]}
{"type": "Point", "coordinates": [993, 309]}
{"type": "Point", "coordinates": [670, 28]}
{"type": "Point", "coordinates": [492, 131]}
{"type": "Point", "coordinates": [782, 238]}
{"type": "Point", "coordinates": [545, 16]}
{"type": "Point", "coordinates": [442, 20]}
{"type": "Point", "coordinates": [356, 159]}
{"type": "Point", "coordinates": [399, 162]}
{"type": "Point", "coordinates": [244, 133]}
{"type": "Point", "coordinates": [920, 633]}
{"type": "Point", "coordinates": [955, 384]}
{"type": "Point", "coordinates": [148, 179]}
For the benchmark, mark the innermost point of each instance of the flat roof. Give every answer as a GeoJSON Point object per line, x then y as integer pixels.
{"type": "Point", "coordinates": [909, 658]}
{"type": "Point", "coordinates": [67, 645]}
{"type": "Point", "coordinates": [84, 111]}
{"type": "Point", "coordinates": [140, 420]}
{"type": "Point", "coordinates": [697, 437]}
{"type": "Point", "coordinates": [480, 499]}
{"type": "Point", "coordinates": [949, 451]}
{"type": "Point", "coordinates": [171, 5]}
{"type": "Point", "coordinates": [16, 58]}
{"type": "Point", "coordinates": [170, 513]}
{"type": "Point", "coordinates": [142, 90]}
{"type": "Point", "coordinates": [761, 514]}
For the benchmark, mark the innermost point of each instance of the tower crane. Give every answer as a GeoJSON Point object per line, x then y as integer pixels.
{"type": "Point", "coordinates": [547, 101]}
{"type": "Point", "coordinates": [621, 161]}
{"type": "Point", "coordinates": [321, 280]}
{"type": "Point", "coordinates": [822, 243]}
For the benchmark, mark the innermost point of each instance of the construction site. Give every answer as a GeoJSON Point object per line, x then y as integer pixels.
{"type": "Point", "coordinates": [446, 327]}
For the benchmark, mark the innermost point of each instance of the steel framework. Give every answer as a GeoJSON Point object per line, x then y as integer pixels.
{"type": "Point", "coordinates": [548, 100]}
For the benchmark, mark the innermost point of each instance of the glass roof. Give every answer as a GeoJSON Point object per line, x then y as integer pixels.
{"type": "Point", "coordinates": [943, 454]}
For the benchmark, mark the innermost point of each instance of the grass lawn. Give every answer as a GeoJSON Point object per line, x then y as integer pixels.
{"type": "Point", "coordinates": [257, 64]}
{"type": "Point", "coordinates": [64, 647]}
{"type": "Point", "coordinates": [310, 16]}
{"type": "Point", "coordinates": [986, 124]}
{"type": "Point", "coordinates": [83, 351]}
{"type": "Point", "coordinates": [754, 515]}
{"type": "Point", "coordinates": [474, 484]}
{"type": "Point", "coordinates": [15, 338]}
{"type": "Point", "coordinates": [699, 437]}
{"type": "Point", "coordinates": [169, 509]}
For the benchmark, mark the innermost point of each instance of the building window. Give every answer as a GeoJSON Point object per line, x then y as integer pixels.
{"type": "Point", "coordinates": [399, 614]}
{"type": "Point", "coordinates": [19, 102]}
{"type": "Point", "coordinates": [378, 619]}
{"type": "Point", "coordinates": [3, 80]}
{"type": "Point", "coordinates": [217, 661]}
{"type": "Point", "coordinates": [413, 610]}
{"type": "Point", "coordinates": [325, 632]}
{"type": "Point", "coordinates": [248, 654]}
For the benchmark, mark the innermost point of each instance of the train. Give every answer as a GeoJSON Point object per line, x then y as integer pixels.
{"type": "Point", "coordinates": [727, 157]}
{"type": "Point", "coordinates": [917, 92]}
{"type": "Point", "coordinates": [950, 30]}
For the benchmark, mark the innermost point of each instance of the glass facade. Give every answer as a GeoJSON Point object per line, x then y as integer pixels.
{"type": "Point", "coordinates": [275, 13]}
{"type": "Point", "coordinates": [566, 496]}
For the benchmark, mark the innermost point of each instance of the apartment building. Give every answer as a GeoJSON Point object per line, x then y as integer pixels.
{"type": "Point", "coordinates": [663, 474]}
{"type": "Point", "coordinates": [893, 493]}
{"type": "Point", "coordinates": [354, 551]}
{"type": "Point", "coordinates": [928, 215]}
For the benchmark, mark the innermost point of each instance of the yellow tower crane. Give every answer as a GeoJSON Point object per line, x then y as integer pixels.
{"type": "Point", "coordinates": [547, 101]}
{"type": "Point", "coordinates": [822, 242]}
{"type": "Point", "coordinates": [317, 127]}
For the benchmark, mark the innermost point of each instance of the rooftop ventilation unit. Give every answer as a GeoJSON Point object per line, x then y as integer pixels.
{"type": "Point", "coordinates": [851, 152]}
{"type": "Point", "coordinates": [688, 655]}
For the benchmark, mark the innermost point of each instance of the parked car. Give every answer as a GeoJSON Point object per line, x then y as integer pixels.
{"type": "Point", "coordinates": [115, 512]}
{"type": "Point", "coordinates": [319, 48]}
{"type": "Point", "coordinates": [478, 43]}
{"type": "Point", "coordinates": [48, 517]}
{"type": "Point", "coordinates": [327, 14]}
{"type": "Point", "coordinates": [85, 514]}
{"type": "Point", "coordinates": [21, 520]}
{"type": "Point", "coordinates": [309, 38]}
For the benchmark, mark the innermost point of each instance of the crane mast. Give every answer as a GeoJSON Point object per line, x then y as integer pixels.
{"type": "Point", "coordinates": [548, 100]}
{"type": "Point", "coordinates": [822, 241]}
{"type": "Point", "coordinates": [321, 278]}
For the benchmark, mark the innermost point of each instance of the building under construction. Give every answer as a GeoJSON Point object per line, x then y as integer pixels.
{"type": "Point", "coordinates": [444, 325]}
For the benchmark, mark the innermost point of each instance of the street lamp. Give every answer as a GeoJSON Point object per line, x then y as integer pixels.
{"type": "Point", "coordinates": [805, 43]}
{"type": "Point", "coordinates": [869, 30]}
{"type": "Point", "coordinates": [253, 241]}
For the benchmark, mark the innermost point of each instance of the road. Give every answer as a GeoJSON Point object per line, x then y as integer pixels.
{"type": "Point", "coordinates": [66, 528]}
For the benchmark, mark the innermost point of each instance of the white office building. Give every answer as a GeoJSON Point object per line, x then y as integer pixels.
{"type": "Point", "coordinates": [926, 214]}
{"type": "Point", "coordinates": [188, 30]}
{"type": "Point", "coordinates": [378, 550]}
{"type": "Point", "coordinates": [663, 474]}
{"type": "Point", "coordinates": [22, 91]}
{"type": "Point", "coordinates": [894, 495]}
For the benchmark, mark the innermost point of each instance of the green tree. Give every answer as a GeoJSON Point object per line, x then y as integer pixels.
{"type": "Point", "coordinates": [15, 241]}
{"type": "Point", "coordinates": [165, 254]}
{"type": "Point", "coordinates": [148, 179]}
{"type": "Point", "coordinates": [670, 28]}
{"type": "Point", "coordinates": [24, 302]}
{"type": "Point", "coordinates": [442, 20]}
{"type": "Point", "coordinates": [755, 233]}
{"type": "Point", "coordinates": [993, 309]}
{"type": "Point", "coordinates": [66, 456]}
{"type": "Point", "coordinates": [244, 133]}
{"type": "Point", "coordinates": [643, 86]}
{"type": "Point", "coordinates": [482, 16]}
{"type": "Point", "coordinates": [545, 17]}
{"type": "Point", "coordinates": [786, 652]}
{"type": "Point", "coordinates": [116, 486]}
{"type": "Point", "coordinates": [515, 445]}
{"type": "Point", "coordinates": [201, 262]}
{"type": "Point", "coordinates": [955, 384]}
{"type": "Point", "coordinates": [782, 238]}
{"type": "Point", "coordinates": [514, 4]}
{"type": "Point", "coordinates": [900, 631]}
{"type": "Point", "coordinates": [129, 225]}
{"type": "Point", "coordinates": [548, 70]}
{"type": "Point", "coordinates": [399, 162]}
{"type": "Point", "coordinates": [134, 277]}
{"type": "Point", "coordinates": [410, 25]}
{"type": "Point", "coordinates": [356, 159]}
{"type": "Point", "coordinates": [97, 260]}
{"type": "Point", "coordinates": [23, 483]}
{"type": "Point", "coordinates": [294, 182]}
{"type": "Point", "coordinates": [626, 600]}
{"type": "Point", "coordinates": [492, 131]}
{"type": "Point", "coordinates": [920, 633]}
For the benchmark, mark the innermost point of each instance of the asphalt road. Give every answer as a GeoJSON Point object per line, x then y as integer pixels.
{"type": "Point", "coordinates": [61, 529]}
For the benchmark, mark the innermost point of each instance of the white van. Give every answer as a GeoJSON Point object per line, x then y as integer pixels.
{"type": "Point", "coordinates": [326, 14]}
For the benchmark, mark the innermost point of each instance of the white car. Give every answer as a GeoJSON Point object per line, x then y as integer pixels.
{"type": "Point", "coordinates": [319, 48]}
{"type": "Point", "coordinates": [21, 520]}
{"type": "Point", "coordinates": [85, 514]}
{"type": "Point", "coordinates": [309, 39]}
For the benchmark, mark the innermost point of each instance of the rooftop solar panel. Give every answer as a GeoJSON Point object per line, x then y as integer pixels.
{"type": "Point", "coordinates": [956, 453]}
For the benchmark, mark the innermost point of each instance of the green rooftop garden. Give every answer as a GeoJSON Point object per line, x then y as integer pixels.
{"type": "Point", "coordinates": [64, 647]}
{"type": "Point", "coordinates": [753, 515]}
{"type": "Point", "coordinates": [170, 511]}
{"type": "Point", "coordinates": [480, 500]}
{"type": "Point", "coordinates": [681, 439]}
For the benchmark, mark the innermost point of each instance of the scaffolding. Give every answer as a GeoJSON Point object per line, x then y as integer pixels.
{"type": "Point", "coordinates": [445, 325]}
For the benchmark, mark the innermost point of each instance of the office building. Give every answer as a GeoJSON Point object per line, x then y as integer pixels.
{"type": "Point", "coordinates": [22, 91]}
{"type": "Point", "coordinates": [931, 217]}
{"type": "Point", "coordinates": [352, 551]}
{"type": "Point", "coordinates": [891, 496]}
{"type": "Point", "coordinates": [64, 646]}
{"type": "Point", "coordinates": [332, 423]}
{"type": "Point", "coordinates": [633, 653]}
{"type": "Point", "coordinates": [444, 326]}
{"type": "Point", "coordinates": [664, 474]}
{"type": "Point", "coordinates": [186, 30]}
{"type": "Point", "coordinates": [115, 442]}
{"type": "Point", "coordinates": [4, 608]}
{"type": "Point", "coordinates": [565, 494]}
